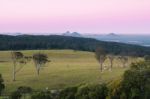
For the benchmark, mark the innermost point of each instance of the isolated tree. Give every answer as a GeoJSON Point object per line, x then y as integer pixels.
{"type": "Point", "coordinates": [147, 57]}
{"type": "Point", "coordinates": [19, 61]}
{"type": "Point", "coordinates": [100, 56]}
{"type": "Point", "coordinates": [2, 86]}
{"type": "Point", "coordinates": [111, 58]}
{"type": "Point", "coordinates": [40, 60]}
{"type": "Point", "coordinates": [124, 60]}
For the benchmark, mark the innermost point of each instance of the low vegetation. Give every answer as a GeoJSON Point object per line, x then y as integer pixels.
{"type": "Point", "coordinates": [2, 86]}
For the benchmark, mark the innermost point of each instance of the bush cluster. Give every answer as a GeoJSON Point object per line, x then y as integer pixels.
{"type": "Point", "coordinates": [2, 86]}
{"type": "Point", "coordinates": [99, 91]}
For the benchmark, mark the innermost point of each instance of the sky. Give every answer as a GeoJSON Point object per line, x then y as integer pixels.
{"type": "Point", "coordinates": [84, 16]}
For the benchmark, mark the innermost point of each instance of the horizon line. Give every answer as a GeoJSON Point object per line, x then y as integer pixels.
{"type": "Point", "coordinates": [60, 33]}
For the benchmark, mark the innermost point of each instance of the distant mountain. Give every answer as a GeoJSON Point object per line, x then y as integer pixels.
{"type": "Point", "coordinates": [143, 40]}
{"type": "Point", "coordinates": [13, 34]}
{"type": "Point", "coordinates": [112, 34]}
{"type": "Point", "coordinates": [74, 34]}
{"type": "Point", "coordinates": [30, 42]}
{"type": "Point", "coordinates": [66, 33]}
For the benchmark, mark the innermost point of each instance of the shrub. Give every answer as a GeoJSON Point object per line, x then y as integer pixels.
{"type": "Point", "coordinates": [114, 89]}
{"type": "Point", "coordinates": [15, 95]}
{"type": "Point", "coordinates": [92, 92]}
{"type": "Point", "coordinates": [68, 93]}
{"type": "Point", "coordinates": [41, 95]}
{"type": "Point", "coordinates": [24, 90]}
{"type": "Point", "coordinates": [135, 83]}
{"type": "Point", "coordinates": [2, 86]}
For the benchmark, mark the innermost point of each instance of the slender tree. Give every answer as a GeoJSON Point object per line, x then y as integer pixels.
{"type": "Point", "coordinates": [111, 58]}
{"type": "Point", "coordinates": [100, 54]}
{"type": "Point", "coordinates": [40, 60]}
{"type": "Point", "coordinates": [124, 60]}
{"type": "Point", "coordinates": [19, 60]}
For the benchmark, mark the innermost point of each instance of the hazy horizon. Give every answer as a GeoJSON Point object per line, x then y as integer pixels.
{"type": "Point", "coordinates": [86, 16]}
{"type": "Point", "coordinates": [61, 33]}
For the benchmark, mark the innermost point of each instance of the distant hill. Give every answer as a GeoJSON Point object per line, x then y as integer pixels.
{"type": "Point", "coordinates": [30, 42]}
{"type": "Point", "coordinates": [142, 40]}
{"type": "Point", "coordinates": [74, 34]}
{"type": "Point", "coordinates": [112, 34]}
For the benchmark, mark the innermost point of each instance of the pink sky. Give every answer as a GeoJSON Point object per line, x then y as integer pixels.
{"type": "Point", "coordinates": [85, 16]}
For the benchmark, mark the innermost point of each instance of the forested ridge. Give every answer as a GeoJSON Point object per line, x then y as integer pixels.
{"type": "Point", "coordinates": [30, 42]}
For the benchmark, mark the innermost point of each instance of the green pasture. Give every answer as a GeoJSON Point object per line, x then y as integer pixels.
{"type": "Point", "coordinates": [67, 68]}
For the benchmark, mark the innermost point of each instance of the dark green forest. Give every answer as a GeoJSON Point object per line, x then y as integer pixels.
{"type": "Point", "coordinates": [30, 42]}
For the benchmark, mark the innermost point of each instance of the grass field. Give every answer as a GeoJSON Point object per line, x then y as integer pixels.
{"type": "Point", "coordinates": [67, 68]}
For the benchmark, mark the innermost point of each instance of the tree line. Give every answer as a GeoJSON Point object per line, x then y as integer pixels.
{"type": "Point", "coordinates": [101, 56]}
{"type": "Point", "coordinates": [30, 42]}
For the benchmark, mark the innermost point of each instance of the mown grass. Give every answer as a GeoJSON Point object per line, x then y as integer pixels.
{"type": "Point", "coordinates": [67, 68]}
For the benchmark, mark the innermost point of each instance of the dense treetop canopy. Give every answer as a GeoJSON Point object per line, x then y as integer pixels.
{"type": "Point", "coordinates": [29, 42]}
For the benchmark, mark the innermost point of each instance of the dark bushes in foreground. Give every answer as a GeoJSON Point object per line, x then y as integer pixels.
{"type": "Point", "coordinates": [15, 95]}
{"type": "Point", "coordinates": [85, 92]}
{"type": "Point", "coordinates": [92, 92]}
{"type": "Point", "coordinates": [135, 83]}
{"type": "Point", "coordinates": [42, 95]}
{"type": "Point", "coordinates": [22, 91]}
{"type": "Point", "coordinates": [68, 93]}
{"type": "Point", "coordinates": [2, 86]}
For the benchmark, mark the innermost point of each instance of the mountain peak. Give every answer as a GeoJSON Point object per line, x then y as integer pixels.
{"type": "Point", "coordinates": [73, 34]}
{"type": "Point", "coordinates": [112, 34]}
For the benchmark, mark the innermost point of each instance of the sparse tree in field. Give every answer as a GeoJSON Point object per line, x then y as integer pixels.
{"type": "Point", "coordinates": [2, 86]}
{"type": "Point", "coordinates": [147, 57]}
{"type": "Point", "coordinates": [124, 60]}
{"type": "Point", "coordinates": [100, 56]}
{"type": "Point", "coordinates": [111, 58]}
{"type": "Point", "coordinates": [18, 59]}
{"type": "Point", "coordinates": [40, 60]}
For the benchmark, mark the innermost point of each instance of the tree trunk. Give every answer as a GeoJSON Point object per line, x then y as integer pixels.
{"type": "Point", "coordinates": [111, 65]}
{"type": "Point", "coordinates": [38, 72]}
{"type": "Point", "coordinates": [14, 70]}
{"type": "Point", "coordinates": [124, 65]}
{"type": "Point", "coordinates": [101, 67]}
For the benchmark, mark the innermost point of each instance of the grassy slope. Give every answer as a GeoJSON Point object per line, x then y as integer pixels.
{"type": "Point", "coordinates": [67, 68]}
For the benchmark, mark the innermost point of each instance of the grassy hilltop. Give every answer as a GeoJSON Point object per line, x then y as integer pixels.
{"type": "Point", "coordinates": [67, 68]}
